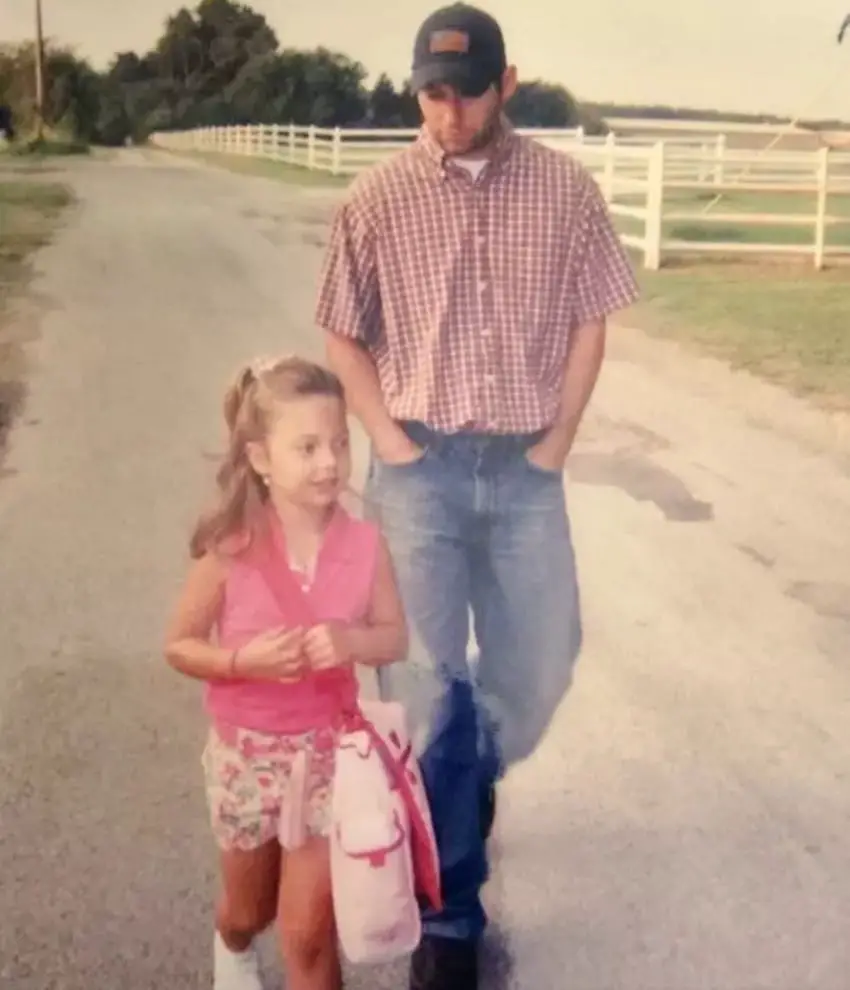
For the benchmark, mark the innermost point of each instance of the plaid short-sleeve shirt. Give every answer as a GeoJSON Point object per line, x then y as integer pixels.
{"type": "Point", "coordinates": [465, 291]}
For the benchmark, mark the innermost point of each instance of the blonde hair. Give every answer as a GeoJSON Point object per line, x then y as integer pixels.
{"type": "Point", "coordinates": [249, 407]}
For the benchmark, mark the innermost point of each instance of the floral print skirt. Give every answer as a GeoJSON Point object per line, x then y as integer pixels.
{"type": "Point", "coordinates": [249, 784]}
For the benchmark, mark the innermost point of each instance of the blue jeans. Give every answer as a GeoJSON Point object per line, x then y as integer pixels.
{"type": "Point", "coordinates": [475, 530]}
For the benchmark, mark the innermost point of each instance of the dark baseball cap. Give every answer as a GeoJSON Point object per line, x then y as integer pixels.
{"type": "Point", "coordinates": [459, 46]}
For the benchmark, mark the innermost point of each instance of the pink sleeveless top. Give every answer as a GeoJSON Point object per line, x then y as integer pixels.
{"type": "Point", "coordinates": [340, 591]}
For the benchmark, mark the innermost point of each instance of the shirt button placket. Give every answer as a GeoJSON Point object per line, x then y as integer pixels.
{"type": "Point", "coordinates": [485, 309]}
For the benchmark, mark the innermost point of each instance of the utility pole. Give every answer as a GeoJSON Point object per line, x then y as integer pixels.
{"type": "Point", "coordinates": [39, 73]}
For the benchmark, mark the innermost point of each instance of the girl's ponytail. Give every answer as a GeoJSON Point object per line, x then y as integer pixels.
{"type": "Point", "coordinates": [235, 396]}
{"type": "Point", "coordinates": [240, 492]}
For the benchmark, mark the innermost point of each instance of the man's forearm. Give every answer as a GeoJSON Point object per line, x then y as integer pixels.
{"type": "Point", "coordinates": [581, 372]}
{"type": "Point", "coordinates": [356, 370]}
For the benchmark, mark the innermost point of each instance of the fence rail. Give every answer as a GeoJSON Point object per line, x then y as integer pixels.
{"type": "Point", "coordinates": [669, 197]}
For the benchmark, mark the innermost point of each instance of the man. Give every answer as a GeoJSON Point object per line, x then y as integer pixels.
{"type": "Point", "coordinates": [464, 297]}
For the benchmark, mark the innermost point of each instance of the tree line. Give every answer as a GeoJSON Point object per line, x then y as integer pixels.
{"type": "Point", "coordinates": [222, 63]}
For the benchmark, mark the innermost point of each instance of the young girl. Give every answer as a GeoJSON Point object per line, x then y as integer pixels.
{"type": "Point", "coordinates": [274, 692]}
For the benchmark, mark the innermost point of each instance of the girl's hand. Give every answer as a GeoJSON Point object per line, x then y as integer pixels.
{"type": "Point", "coordinates": [326, 647]}
{"type": "Point", "coordinates": [276, 655]}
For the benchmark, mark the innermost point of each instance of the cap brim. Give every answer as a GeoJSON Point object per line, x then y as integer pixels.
{"type": "Point", "coordinates": [467, 79]}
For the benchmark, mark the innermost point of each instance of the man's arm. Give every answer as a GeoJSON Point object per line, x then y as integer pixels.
{"type": "Point", "coordinates": [349, 311]}
{"type": "Point", "coordinates": [605, 284]}
{"type": "Point", "coordinates": [581, 372]}
{"type": "Point", "coordinates": [352, 363]}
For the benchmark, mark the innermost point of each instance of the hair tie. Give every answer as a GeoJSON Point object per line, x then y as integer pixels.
{"type": "Point", "coordinates": [261, 365]}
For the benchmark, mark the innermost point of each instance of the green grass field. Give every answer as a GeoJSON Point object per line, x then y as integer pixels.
{"type": "Point", "coordinates": [731, 204]}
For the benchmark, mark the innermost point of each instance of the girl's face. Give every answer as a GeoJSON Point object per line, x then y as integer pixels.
{"type": "Point", "coordinates": [306, 458]}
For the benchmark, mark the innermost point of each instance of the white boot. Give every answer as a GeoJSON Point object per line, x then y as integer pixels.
{"type": "Point", "coordinates": [235, 970]}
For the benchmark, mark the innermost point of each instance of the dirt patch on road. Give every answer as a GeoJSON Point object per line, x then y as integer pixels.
{"type": "Point", "coordinates": [29, 212]}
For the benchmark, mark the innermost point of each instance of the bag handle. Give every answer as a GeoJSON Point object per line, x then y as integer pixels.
{"type": "Point", "coordinates": [270, 561]}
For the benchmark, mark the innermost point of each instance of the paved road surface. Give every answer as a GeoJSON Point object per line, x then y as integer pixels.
{"type": "Point", "coordinates": [687, 824]}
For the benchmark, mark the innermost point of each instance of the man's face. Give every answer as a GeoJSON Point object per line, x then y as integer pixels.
{"type": "Point", "coordinates": [460, 124]}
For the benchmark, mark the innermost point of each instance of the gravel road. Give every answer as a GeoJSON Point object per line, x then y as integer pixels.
{"type": "Point", "coordinates": [686, 826]}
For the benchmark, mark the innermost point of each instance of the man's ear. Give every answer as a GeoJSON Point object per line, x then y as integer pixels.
{"type": "Point", "coordinates": [509, 83]}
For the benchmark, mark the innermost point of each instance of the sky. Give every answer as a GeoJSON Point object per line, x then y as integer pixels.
{"type": "Point", "coordinates": [775, 56]}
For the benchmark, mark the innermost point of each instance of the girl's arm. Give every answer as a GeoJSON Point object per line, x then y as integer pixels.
{"type": "Point", "coordinates": [187, 640]}
{"type": "Point", "coordinates": [382, 638]}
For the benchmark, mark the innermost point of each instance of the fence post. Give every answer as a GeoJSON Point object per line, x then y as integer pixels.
{"type": "Point", "coordinates": [719, 158]}
{"type": "Point", "coordinates": [654, 208]}
{"type": "Point", "coordinates": [610, 167]}
{"type": "Point", "coordinates": [580, 134]}
{"type": "Point", "coordinates": [311, 146]}
{"type": "Point", "coordinates": [703, 169]}
{"type": "Point", "coordinates": [290, 151]}
{"type": "Point", "coordinates": [336, 152]}
{"type": "Point", "coordinates": [822, 199]}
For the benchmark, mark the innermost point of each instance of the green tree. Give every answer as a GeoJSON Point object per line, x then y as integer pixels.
{"type": "Point", "coordinates": [384, 103]}
{"type": "Point", "coordinates": [541, 104]}
{"type": "Point", "coordinates": [131, 91]}
{"type": "Point", "coordinates": [72, 91]}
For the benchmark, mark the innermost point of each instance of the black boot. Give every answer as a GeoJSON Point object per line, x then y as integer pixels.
{"type": "Point", "coordinates": [444, 964]}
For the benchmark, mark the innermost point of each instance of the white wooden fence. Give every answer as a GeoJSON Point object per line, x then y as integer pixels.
{"type": "Point", "coordinates": [666, 194]}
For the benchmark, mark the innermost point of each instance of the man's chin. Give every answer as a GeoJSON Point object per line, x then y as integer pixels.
{"type": "Point", "coordinates": [457, 146]}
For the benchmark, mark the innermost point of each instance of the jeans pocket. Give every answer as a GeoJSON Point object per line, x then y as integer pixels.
{"type": "Point", "coordinates": [542, 472]}
{"type": "Point", "coordinates": [407, 465]}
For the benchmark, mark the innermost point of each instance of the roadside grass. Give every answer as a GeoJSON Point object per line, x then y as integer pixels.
{"type": "Point", "coordinates": [783, 322]}
{"type": "Point", "coordinates": [29, 213]}
{"type": "Point", "coordinates": [55, 142]}
{"type": "Point", "coordinates": [46, 148]}
{"type": "Point", "coordinates": [268, 168]}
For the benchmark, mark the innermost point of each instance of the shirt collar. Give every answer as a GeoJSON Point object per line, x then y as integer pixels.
{"type": "Point", "coordinates": [500, 152]}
